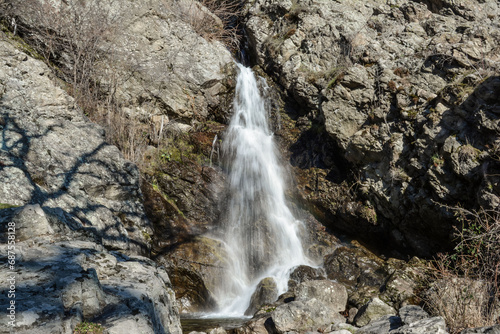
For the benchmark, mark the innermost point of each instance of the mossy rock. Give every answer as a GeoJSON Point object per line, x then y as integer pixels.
{"type": "Point", "coordinates": [7, 206]}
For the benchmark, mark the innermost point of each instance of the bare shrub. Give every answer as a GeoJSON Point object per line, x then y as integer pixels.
{"type": "Point", "coordinates": [126, 131]}
{"type": "Point", "coordinates": [69, 35]}
{"type": "Point", "coordinates": [466, 290]}
{"type": "Point", "coordinates": [215, 20]}
{"type": "Point", "coordinates": [463, 302]}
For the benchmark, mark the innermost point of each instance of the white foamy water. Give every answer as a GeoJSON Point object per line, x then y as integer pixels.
{"type": "Point", "coordinates": [260, 232]}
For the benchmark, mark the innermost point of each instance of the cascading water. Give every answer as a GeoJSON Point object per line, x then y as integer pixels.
{"type": "Point", "coordinates": [260, 232]}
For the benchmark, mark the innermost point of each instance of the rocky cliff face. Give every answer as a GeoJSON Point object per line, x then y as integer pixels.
{"type": "Point", "coordinates": [76, 212]}
{"type": "Point", "coordinates": [150, 59]}
{"type": "Point", "coordinates": [403, 93]}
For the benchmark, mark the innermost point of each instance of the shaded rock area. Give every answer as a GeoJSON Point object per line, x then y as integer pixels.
{"type": "Point", "coordinates": [203, 258]}
{"type": "Point", "coordinates": [402, 93]}
{"type": "Point", "coordinates": [63, 282]}
{"type": "Point", "coordinates": [74, 207]}
{"type": "Point", "coordinates": [367, 276]}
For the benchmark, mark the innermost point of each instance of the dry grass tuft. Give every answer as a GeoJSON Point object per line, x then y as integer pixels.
{"type": "Point", "coordinates": [465, 288]}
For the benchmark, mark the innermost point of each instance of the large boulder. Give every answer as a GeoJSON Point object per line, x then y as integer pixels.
{"type": "Point", "coordinates": [373, 310]}
{"type": "Point", "coordinates": [361, 272]}
{"type": "Point", "coordinates": [412, 319]}
{"type": "Point", "coordinates": [317, 304]}
{"type": "Point", "coordinates": [303, 316]}
{"type": "Point", "coordinates": [329, 293]}
{"type": "Point", "coordinates": [266, 292]}
{"type": "Point", "coordinates": [67, 282]}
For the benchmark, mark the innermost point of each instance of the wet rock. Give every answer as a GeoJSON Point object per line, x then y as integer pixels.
{"type": "Point", "coordinates": [306, 273]}
{"type": "Point", "coordinates": [204, 260]}
{"type": "Point", "coordinates": [184, 202]}
{"type": "Point", "coordinates": [195, 191]}
{"type": "Point", "coordinates": [191, 292]}
{"type": "Point", "coordinates": [266, 292]}
{"type": "Point", "coordinates": [373, 310]}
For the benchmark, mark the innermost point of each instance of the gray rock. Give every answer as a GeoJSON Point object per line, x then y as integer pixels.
{"type": "Point", "coordinates": [67, 282]}
{"type": "Point", "coordinates": [218, 330]}
{"type": "Point", "coordinates": [266, 292]}
{"type": "Point", "coordinates": [31, 222]}
{"type": "Point", "coordinates": [385, 324]}
{"type": "Point", "coordinates": [84, 293]}
{"type": "Point", "coordinates": [372, 311]}
{"type": "Point", "coordinates": [155, 62]}
{"type": "Point", "coordinates": [412, 313]}
{"type": "Point", "coordinates": [428, 325]}
{"type": "Point", "coordinates": [401, 285]}
{"type": "Point", "coordinates": [339, 328]}
{"type": "Point", "coordinates": [480, 330]}
{"type": "Point", "coordinates": [360, 271]}
{"type": "Point", "coordinates": [301, 316]}
{"type": "Point", "coordinates": [202, 257]}
{"type": "Point", "coordinates": [306, 273]}
{"type": "Point", "coordinates": [258, 325]}
{"type": "Point", "coordinates": [388, 115]}
{"type": "Point", "coordinates": [352, 315]}
{"type": "Point", "coordinates": [331, 294]}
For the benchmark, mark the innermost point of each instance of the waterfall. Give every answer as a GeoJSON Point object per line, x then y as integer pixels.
{"type": "Point", "coordinates": [213, 148]}
{"type": "Point", "coordinates": [260, 232]}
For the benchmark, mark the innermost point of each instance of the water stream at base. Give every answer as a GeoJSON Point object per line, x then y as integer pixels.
{"type": "Point", "coordinates": [261, 234]}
